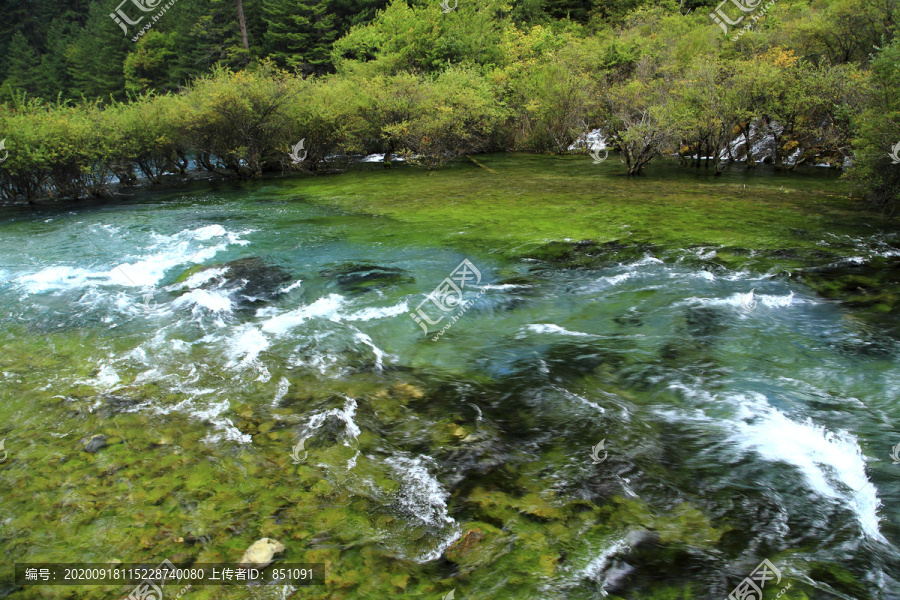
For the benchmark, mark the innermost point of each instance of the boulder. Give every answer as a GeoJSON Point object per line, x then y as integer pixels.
{"type": "Point", "coordinates": [95, 443]}
{"type": "Point", "coordinates": [261, 553]}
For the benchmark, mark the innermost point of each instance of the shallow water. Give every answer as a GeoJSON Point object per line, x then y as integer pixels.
{"type": "Point", "coordinates": [743, 417]}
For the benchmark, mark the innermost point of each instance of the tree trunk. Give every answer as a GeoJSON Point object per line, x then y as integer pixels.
{"type": "Point", "coordinates": [777, 139]}
{"type": "Point", "coordinates": [240, 9]}
{"type": "Point", "coordinates": [750, 162]}
{"type": "Point", "coordinates": [387, 155]}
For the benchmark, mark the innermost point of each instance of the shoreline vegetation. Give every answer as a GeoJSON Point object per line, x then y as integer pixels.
{"type": "Point", "coordinates": [432, 87]}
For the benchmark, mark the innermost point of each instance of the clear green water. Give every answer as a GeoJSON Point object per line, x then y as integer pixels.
{"type": "Point", "coordinates": [736, 427]}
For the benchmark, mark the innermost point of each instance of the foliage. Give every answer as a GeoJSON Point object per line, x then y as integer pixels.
{"type": "Point", "coordinates": [352, 76]}
{"type": "Point", "coordinates": [874, 172]}
{"type": "Point", "coordinates": [236, 121]}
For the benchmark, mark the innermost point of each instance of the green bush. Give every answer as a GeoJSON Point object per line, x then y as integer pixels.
{"type": "Point", "coordinates": [237, 121]}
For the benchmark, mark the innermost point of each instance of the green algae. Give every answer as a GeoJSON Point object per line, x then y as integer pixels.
{"type": "Point", "coordinates": [155, 491]}
{"type": "Point", "coordinates": [151, 493]}
{"type": "Point", "coordinates": [569, 213]}
{"type": "Point", "coordinates": [535, 203]}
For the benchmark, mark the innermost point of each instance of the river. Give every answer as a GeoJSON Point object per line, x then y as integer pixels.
{"type": "Point", "coordinates": [652, 426]}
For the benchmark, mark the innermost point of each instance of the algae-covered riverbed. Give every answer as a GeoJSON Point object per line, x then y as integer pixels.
{"type": "Point", "coordinates": [730, 341]}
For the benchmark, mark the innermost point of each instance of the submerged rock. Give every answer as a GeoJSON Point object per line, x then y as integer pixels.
{"type": "Point", "coordinates": [465, 545]}
{"type": "Point", "coordinates": [95, 443]}
{"type": "Point", "coordinates": [403, 392]}
{"type": "Point", "coordinates": [259, 278]}
{"type": "Point", "coordinates": [247, 280]}
{"type": "Point", "coordinates": [357, 278]}
{"type": "Point", "coordinates": [616, 580]}
{"type": "Point", "coordinates": [591, 254]}
{"type": "Point", "coordinates": [479, 545]}
{"type": "Point", "coordinates": [261, 553]}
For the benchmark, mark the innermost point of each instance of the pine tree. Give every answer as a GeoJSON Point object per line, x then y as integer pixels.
{"type": "Point", "coordinates": [53, 74]}
{"type": "Point", "coordinates": [23, 61]}
{"type": "Point", "coordinates": [97, 54]}
{"type": "Point", "coordinates": [214, 36]}
{"type": "Point", "coordinates": [300, 34]}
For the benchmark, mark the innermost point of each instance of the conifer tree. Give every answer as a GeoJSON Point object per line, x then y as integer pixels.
{"type": "Point", "coordinates": [22, 73]}
{"type": "Point", "coordinates": [300, 34]}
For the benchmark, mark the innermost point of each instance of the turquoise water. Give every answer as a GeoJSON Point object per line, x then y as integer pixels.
{"type": "Point", "coordinates": [742, 416]}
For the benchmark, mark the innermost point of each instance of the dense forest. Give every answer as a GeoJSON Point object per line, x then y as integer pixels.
{"type": "Point", "coordinates": [232, 85]}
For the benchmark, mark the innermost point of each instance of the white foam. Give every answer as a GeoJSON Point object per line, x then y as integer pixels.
{"type": "Point", "coordinates": [420, 494]}
{"type": "Point", "coordinates": [291, 287]}
{"type": "Point", "coordinates": [145, 272]}
{"type": "Point", "coordinates": [773, 301]}
{"type": "Point", "coordinates": [323, 307]}
{"type": "Point", "coordinates": [281, 391]}
{"type": "Point", "coordinates": [581, 399]}
{"type": "Point", "coordinates": [209, 232]}
{"type": "Point", "coordinates": [374, 158]}
{"type": "Point", "coordinates": [212, 412]}
{"type": "Point", "coordinates": [345, 415]}
{"type": "Point", "coordinates": [368, 314]}
{"type": "Point", "coordinates": [212, 300]}
{"type": "Point", "coordinates": [702, 274]}
{"type": "Point", "coordinates": [748, 299]}
{"type": "Point", "coordinates": [647, 260]}
{"type": "Point", "coordinates": [245, 345]}
{"type": "Point", "coordinates": [198, 279]}
{"type": "Point", "coordinates": [594, 570]}
{"type": "Point", "coordinates": [505, 286]}
{"type": "Point", "coordinates": [379, 354]}
{"type": "Point", "coordinates": [352, 462]}
{"type": "Point", "coordinates": [616, 279]}
{"type": "Point", "coordinates": [106, 378]}
{"type": "Point", "coordinates": [226, 429]}
{"type": "Point", "coordinates": [822, 456]}
{"type": "Point", "coordinates": [552, 328]}
{"type": "Point", "coordinates": [423, 497]}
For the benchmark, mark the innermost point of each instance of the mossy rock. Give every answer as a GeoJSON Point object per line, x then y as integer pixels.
{"type": "Point", "coordinates": [479, 544]}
